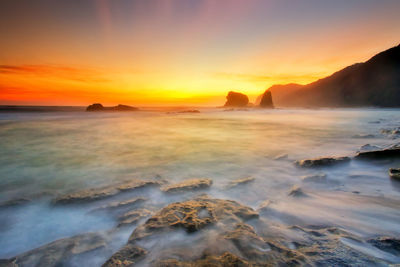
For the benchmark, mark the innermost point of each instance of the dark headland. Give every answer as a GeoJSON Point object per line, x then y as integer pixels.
{"type": "Point", "coordinates": [375, 83]}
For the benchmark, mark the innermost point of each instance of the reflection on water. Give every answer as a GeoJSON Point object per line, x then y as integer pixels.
{"type": "Point", "coordinates": [46, 154]}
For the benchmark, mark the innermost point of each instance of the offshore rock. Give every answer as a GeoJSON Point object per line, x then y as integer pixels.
{"type": "Point", "coordinates": [100, 107]}
{"type": "Point", "coordinates": [234, 99]}
{"type": "Point", "coordinates": [266, 100]}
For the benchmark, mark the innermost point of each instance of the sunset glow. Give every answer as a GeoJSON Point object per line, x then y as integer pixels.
{"type": "Point", "coordinates": [176, 52]}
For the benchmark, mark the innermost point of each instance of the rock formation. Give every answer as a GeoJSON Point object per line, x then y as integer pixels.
{"type": "Point", "coordinates": [386, 153]}
{"type": "Point", "coordinates": [94, 194]}
{"type": "Point", "coordinates": [321, 162]}
{"type": "Point", "coordinates": [188, 185]}
{"type": "Point", "coordinates": [266, 100]}
{"type": "Point", "coordinates": [100, 107]}
{"type": "Point", "coordinates": [234, 99]}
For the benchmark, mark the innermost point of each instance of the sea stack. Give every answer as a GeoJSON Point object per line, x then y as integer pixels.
{"type": "Point", "coordinates": [100, 107]}
{"type": "Point", "coordinates": [235, 99]}
{"type": "Point", "coordinates": [266, 100]}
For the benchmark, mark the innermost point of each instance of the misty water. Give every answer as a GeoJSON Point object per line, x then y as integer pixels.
{"type": "Point", "coordinates": [47, 154]}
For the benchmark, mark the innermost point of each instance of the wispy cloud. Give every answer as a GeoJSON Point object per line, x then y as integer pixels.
{"type": "Point", "coordinates": [55, 71]}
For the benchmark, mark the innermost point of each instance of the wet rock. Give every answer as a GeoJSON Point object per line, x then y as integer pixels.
{"type": "Point", "coordinates": [248, 242]}
{"type": "Point", "coordinates": [387, 244]}
{"type": "Point", "coordinates": [296, 191]}
{"type": "Point", "coordinates": [133, 217]}
{"type": "Point", "coordinates": [368, 147]}
{"type": "Point", "coordinates": [224, 260]}
{"type": "Point", "coordinates": [127, 256]}
{"type": "Point", "coordinates": [235, 243]}
{"type": "Point", "coordinates": [266, 100]}
{"type": "Point", "coordinates": [223, 238]}
{"type": "Point", "coordinates": [100, 107]}
{"type": "Point", "coordinates": [103, 192]}
{"type": "Point", "coordinates": [264, 206]}
{"type": "Point", "coordinates": [193, 215]}
{"type": "Point", "coordinates": [234, 99]}
{"type": "Point", "coordinates": [123, 205]}
{"type": "Point", "coordinates": [8, 263]}
{"type": "Point", "coordinates": [391, 132]}
{"type": "Point", "coordinates": [60, 252]}
{"type": "Point", "coordinates": [322, 162]}
{"type": "Point", "coordinates": [14, 202]}
{"type": "Point", "coordinates": [188, 185]}
{"type": "Point", "coordinates": [314, 178]}
{"type": "Point", "coordinates": [394, 173]}
{"type": "Point", "coordinates": [281, 157]}
{"type": "Point", "coordinates": [241, 181]}
{"type": "Point", "coordinates": [386, 153]}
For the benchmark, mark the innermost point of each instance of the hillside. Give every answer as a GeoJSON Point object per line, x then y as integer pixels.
{"type": "Point", "coordinates": [375, 82]}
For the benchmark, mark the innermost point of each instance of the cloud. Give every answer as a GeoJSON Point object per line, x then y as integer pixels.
{"type": "Point", "coordinates": [55, 71]}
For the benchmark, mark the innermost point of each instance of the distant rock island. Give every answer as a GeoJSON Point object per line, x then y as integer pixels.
{"type": "Point", "coordinates": [375, 82]}
{"type": "Point", "coordinates": [266, 100]}
{"type": "Point", "coordinates": [239, 100]}
{"type": "Point", "coordinates": [100, 107]}
{"type": "Point", "coordinates": [235, 99]}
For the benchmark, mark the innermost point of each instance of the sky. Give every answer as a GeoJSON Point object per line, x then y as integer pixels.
{"type": "Point", "coordinates": [180, 52]}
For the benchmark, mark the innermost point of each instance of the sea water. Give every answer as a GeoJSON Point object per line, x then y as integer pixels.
{"type": "Point", "coordinates": [46, 154]}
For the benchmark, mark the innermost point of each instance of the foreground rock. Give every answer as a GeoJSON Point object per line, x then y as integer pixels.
{"type": "Point", "coordinates": [266, 100]}
{"type": "Point", "coordinates": [241, 181]}
{"type": "Point", "coordinates": [224, 260]}
{"type": "Point", "coordinates": [120, 207]}
{"type": "Point", "coordinates": [234, 99]}
{"type": "Point", "coordinates": [191, 216]}
{"type": "Point", "coordinates": [321, 162]}
{"type": "Point", "coordinates": [314, 178]}
{"type": "Point", "coordinates": [296, 191]}
{"type": "Point", "coordinates": [133, 217]}
{"type": "Point", "coordinates": [60, 252]}
{"type": "Point", "coordinates": [103, 192]}
{"type": "Point", "coordinates": [14, 202]}
{"type": "Point", "coordinates": [387, 244]}
{"type": "Point", "coordinates": [188, 185]}
{"type": "Point", "coordinates": [100, 107]}
{"type": "Point", "coordinates": [387, 153]}
{"type": "Point", "coordinates": [127, 256]}
{"type": "Point", "coordinates": [194, 215]}
{"type": "Point", "coordinates": [394, 173]}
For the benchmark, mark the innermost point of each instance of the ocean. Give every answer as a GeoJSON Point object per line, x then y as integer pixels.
{"type": "Point", "coordinates": [48, 153]}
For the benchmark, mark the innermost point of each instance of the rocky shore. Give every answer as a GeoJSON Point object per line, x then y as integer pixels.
{"type": "Point", "coordinates": [203, 230]}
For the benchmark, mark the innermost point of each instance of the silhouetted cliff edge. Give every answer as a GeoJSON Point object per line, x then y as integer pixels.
{"type": "Point", "coordinates": [375, 82]}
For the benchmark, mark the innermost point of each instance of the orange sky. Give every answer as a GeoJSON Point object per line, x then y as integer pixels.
{"type": "Point", "coordinates": [176, 52]}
